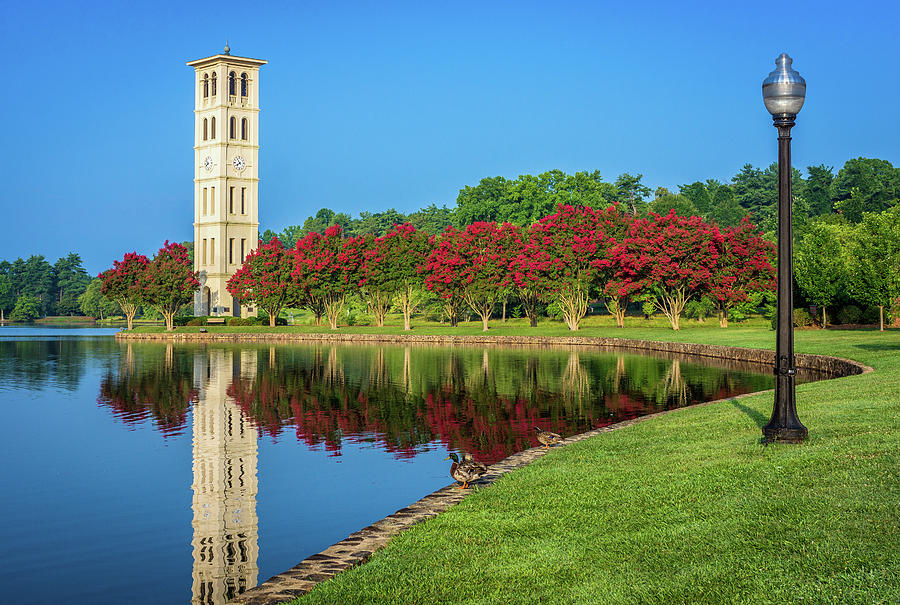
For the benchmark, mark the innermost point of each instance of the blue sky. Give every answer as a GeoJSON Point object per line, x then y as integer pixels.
{"type": "Point", "coordinates": [372, 105]}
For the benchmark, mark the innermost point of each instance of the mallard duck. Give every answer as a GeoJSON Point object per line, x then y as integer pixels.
{"type": "Point", "coordinates": [546, 437]}
{"type": "Point", "coordinates": [466, 470]}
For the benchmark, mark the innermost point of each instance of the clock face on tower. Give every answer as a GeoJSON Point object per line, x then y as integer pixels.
{"type": "Point", "coordinates": [238, 163]}
{"type": "Point", "coordinates": [208, 163]}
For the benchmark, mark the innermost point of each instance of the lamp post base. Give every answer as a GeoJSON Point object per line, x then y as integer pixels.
{"type": "Point", "coordinates": [784, 435]}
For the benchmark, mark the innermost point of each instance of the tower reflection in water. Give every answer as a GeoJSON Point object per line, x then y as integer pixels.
{"type": "Point", "coordinates": [225, 540]}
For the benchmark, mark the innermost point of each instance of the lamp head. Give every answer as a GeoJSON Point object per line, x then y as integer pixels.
{"type": "Point", "coordinates": [784, 90]}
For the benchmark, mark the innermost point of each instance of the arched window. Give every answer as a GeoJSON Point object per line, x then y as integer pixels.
{"type": "Point", "coordinates": [231, 84]}
{"type": "Point", "coordinates": [244, 129]}
{"type": "Point", "coordinates": [205, 129]}
{"type": "Point", "coordinates": [232, 128]}
{"type": "Point", "coordinates": [214, 84]}
{"type": "Point", "coordinates": [205, 86]}
{"type": "Point", "coordinates": [212, 133]}
{"type": "Point", "coordinates": [244, 85]}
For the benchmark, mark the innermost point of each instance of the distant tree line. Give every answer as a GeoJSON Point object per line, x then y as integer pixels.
{"type": "Point", "coordinates": [34, 288]}
{"type": "Point", "coordinates": [861, 185]}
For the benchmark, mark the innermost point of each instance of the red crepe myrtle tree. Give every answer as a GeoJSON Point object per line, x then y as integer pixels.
{"type": "Point", "coordinates": [528, 265]}
{"type": "Point", "coordinates": [325, 272]}
{"type": "Point", "coordinates": [265, 279]}
{"type": "Point", "coordinates": [449, 288]}
{"type": "Point", "coordinates": [405, 252]}
{"type": "Point", "coordinates": [366, 253]}
{"type": "Point", "coordinates": [122, 283]}
{"type": "Point", "coordinates": [169, 282]}
{"type": "Point", "coordinates": [668, 260]}
{"type": "Point", "coordinates": [615, 224]}
{"type": "Point", "coordinates": [475, 263]}
{"type": "Point", "coordinates": [744, 266]}
{"type": "Point", "coordinates": [567, 247]}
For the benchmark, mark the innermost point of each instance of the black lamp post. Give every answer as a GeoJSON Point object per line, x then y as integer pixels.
{"type": "Point", "coordinates": [784, 92]}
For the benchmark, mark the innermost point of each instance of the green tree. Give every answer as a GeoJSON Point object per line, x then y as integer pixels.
{"type": "Point", "coordinates": [819, 190]}
{"type": "Point", "coordinates": [820, 265]}
{"type": "Point", "coordinates": [866, 185]}
{"type": "Point", "coordinates": [875, 254]}
{"type": "Point", "coordinates": [632, 192]}
{"type": "Point", "coordinates": [321, 220]}
{"type": "Point", "coordinates": [94, 304]}
{"type": "Point", "coordinates": [484, 201]}
{"type": "Point", "coordinates": [725, 211]}
{"type": "Point", "coordinates": [28, 308]}
{"type": "Point", "coordinates": [431, 219]}
{"type": "Point", "coordinates": [71, 282]}
{"type": "Point", "coordinates": [7, 295]}
{"type": "Point", "coordinates": [34, 277]}
{"type": "Point", "coordinates": [288, 236]}
{"type": "Point", "coordinates": [757, 191]}
{"type": "Point", "coordinates": [376, 224]}
{"type": "Point", "coordinates": [665, 201]}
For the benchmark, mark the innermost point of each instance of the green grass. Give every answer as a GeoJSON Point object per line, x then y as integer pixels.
{"type": "Point", "coordinates": [689, 507]}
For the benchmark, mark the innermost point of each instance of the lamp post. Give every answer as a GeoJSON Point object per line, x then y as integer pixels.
{"type": "Point", "coordinates": [784, 92]}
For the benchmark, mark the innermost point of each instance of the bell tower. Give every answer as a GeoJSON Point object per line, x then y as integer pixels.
{"type": "Point", "coordinates": [226, 176]}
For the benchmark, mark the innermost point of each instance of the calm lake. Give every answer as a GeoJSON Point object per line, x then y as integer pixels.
{"type": "Point", "coordinates": [152, 473]}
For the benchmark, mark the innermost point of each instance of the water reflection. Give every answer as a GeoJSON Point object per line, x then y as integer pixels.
{"type": "Point", "coordinates": [407, 399]}
{"type": "Point", "coordinates": [225, 539]}
{"type": "Point", "coordinates": [161, 389]}
{"type": "Point", "coordinates": [403, 400]}
{"type": "Point", "coordinates": [38, 362]}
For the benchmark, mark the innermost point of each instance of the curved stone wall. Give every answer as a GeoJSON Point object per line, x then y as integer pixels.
{"type": "Point", "coordinates": [832, 366]}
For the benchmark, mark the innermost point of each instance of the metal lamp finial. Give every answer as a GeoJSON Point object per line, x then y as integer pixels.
{"type": "Point", "coordinates": [784, 91]}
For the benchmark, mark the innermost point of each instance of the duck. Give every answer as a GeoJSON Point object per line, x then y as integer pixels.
{"type": "Point", "coordinates": [547, 438]}
{"type": "Point", "coordinates": [466, 470]}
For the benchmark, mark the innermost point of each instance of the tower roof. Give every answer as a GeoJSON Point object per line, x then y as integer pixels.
{"type": "Point", "coordinates": [226, 58]}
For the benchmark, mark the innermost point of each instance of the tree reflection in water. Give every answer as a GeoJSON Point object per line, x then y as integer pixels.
{"type": "Point", "coordinates": [486, 401]}
{"type": "Point", "coordinates": [406, 399]}
{"type": "Point", "coordinates": [157, 387]}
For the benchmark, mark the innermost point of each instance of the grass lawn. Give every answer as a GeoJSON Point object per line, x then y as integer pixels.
{"type": "Point", "coordinates": [689, 507]}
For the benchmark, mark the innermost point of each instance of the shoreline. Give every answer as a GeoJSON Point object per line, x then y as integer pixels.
{"type": "Point", "coordinates": [834, 367]}
{"type": "Point", "coordinates": [359, 546]}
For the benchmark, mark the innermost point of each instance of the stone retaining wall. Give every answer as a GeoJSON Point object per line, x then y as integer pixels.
{"type": "Point", "coordinates": [831, 366]}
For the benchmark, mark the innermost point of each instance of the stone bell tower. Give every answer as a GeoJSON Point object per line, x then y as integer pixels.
{"type": "Point", "coordinates": [226, 176]}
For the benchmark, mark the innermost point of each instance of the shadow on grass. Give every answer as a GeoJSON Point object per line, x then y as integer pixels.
{"type": "Point", "coordinates": [757, 417]}
{"type": "Point", "coordinates": [874, 346]}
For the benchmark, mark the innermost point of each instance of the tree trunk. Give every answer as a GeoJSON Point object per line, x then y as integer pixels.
{"type": "Point", "coordinates": [130, 310]}
{"type": "Point", "coordinates": [407, 306]}
{"type": "Point", "coordinates": [672, 305]}
{"type": "Point", "coordinates": [574, 307]}
{"type": "Point", "coordinates": [504, 310]}
{"type": "Point", "coordinates": [881, 317]}
{"type": "Point", "coordinates": [484, 322]}
{"type": "Point", "coordinates": [533, 319]}
{"type": "Point", "coordinates": [824, 320]}
{"type": "Point", "coordinates": [271, 320]}
{"type": "Point", "coordinates": [378, 303]}
{"type": "Point", "coordinates": [333, 308]}
{"type": "Point", "coordinates": [723, 318]}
